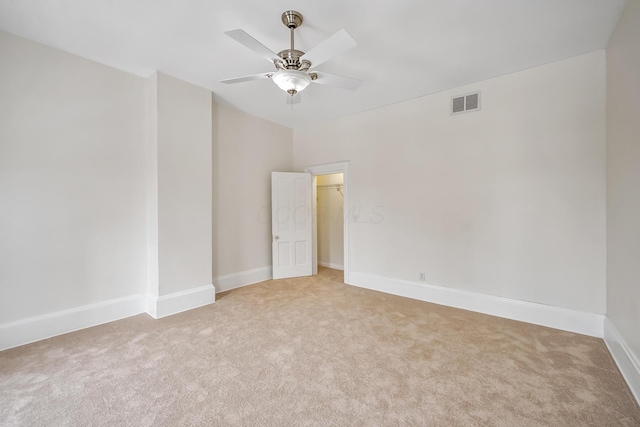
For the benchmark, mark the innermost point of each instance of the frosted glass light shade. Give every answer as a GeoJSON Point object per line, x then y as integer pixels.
{"type": "Point", "coordinates": [291, 81]}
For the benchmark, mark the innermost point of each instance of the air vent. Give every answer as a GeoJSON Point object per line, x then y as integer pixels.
{"type": "Point", "coordinates": [458, 105]}
{"type": "Point", "coordinates": [465, 103]}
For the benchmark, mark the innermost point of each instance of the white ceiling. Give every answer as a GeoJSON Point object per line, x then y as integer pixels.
{"type": "Point", "coordinates": [406, 48]}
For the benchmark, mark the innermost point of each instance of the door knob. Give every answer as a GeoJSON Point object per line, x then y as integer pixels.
{"type": "Point", "coordinates": [276, 237]}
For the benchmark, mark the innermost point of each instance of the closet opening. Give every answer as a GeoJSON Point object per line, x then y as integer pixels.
{"type": "Point", "coordinates": [331, 190]}
{"type": "Point", "coordinates": [330, 221]}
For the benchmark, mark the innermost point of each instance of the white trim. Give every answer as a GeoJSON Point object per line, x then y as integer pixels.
{"type": "Point", "coordinates": [331, 265]}
{"type": "Point", "coordinates": [314, 224]}
{"type": "Point", "coordinates": [177, 302]}
{"type": "Point", "coordinates": [37, 328]}
{"type": "Point", "coordinates": [627, 362]}
{"type": "Point", "coordinates": [243, 278]}
{"type": "Point", "coordinates": [539, 314]}
{"type": "Point", "coordinates": [326, 169]}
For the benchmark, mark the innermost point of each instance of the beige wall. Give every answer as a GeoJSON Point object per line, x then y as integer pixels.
{"type": "Point", "coordinates": [246, 150]}
{"type": "Point", "coordinates": [623, 177]}
{"type": "Point", "coordinates": [184, 146]}
{"type": "Point", "coordinates": [330, 222]}
{"type": "Point", "coordinates": [508, 201]}
{"type": "Point", "coordinates": [72, 181]}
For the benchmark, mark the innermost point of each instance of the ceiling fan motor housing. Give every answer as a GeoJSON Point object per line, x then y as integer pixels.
{"type": "Point", "coordinates": [291, 59]}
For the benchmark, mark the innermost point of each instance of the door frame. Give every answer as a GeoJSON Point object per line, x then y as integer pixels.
{"type": "Point", "coordinates": [326, 169]}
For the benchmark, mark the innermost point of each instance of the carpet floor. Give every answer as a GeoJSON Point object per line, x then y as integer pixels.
{"type": "Point", "coordinates": [313, 351]}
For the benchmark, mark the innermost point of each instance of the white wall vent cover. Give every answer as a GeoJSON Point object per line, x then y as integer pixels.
{"type": "Point", "coordinates": [465, 103]}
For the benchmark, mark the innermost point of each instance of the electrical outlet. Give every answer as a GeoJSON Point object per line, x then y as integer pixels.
{"type": "Point", "coordinates": [422, 277]}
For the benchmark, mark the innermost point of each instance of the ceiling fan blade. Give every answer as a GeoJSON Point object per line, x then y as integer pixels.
{"type": "Point", "coordinates": [336, 44]}
{"type": "Point", "coordinates": [247, 78]}
{"type": "Point", "coordinates": [337, 81]}
{"type": "Point", "coordinates": [246, 40]}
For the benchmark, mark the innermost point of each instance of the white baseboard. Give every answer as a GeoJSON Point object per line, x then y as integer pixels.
{"type": "Point", "coordinates": [627, 362]}
{"type": "Point", "coordinates": [177, 302]}
{"type": "Point", "coordinates": [37, 328]}
{"type": "Point", "coordinates": [539, 314]}
{"type": "Point", "coordinates": [331, 265]}
{"type": "Point", "coordinates": [243, 278]}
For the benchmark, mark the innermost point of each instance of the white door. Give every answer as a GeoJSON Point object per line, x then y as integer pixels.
{"type": "Point", "coordinates": [291, 224]}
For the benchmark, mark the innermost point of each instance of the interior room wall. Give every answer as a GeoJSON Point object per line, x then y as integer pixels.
{"type": "Point", "coordinates": [72, 181]}
{"type": "Point", "coordinates": [508, 201]}
{"type": "Point", "coordinates": [623, 180]}
{"type": "Point", "coordinates": [184, 174]}
{"type": "Point", "coordinates": [246, 150]}
{"type": "Point", "coordinates": [330, 222]}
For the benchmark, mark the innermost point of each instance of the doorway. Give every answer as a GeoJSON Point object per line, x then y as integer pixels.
{"type": "Point", "coordinates": [330, 221]}
{"type": "Point", "coordinates": [324, 180]}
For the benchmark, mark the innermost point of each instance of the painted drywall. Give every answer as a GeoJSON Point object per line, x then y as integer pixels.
{"type": "Point", "coordinates": [330, 222]}
{"type": "Point", "coordinates": [184, 150]}
{"type": "Point", "coordinates": [507, 201]}
{"type": "Point", "coordinates": [72, 181]}
{"type": "Point", "coordinates": [151, 168]}
{"type": "Point", "coordinates": [246, 150]}
{"type": "Point", "coordinates": [623, 177]}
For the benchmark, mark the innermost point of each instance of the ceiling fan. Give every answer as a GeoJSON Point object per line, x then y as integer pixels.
{"type": "Point", "coordinates": [293, 68]}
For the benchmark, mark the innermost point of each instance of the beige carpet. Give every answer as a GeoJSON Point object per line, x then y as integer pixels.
{"type": "Point", "coordinates": [314, 351]}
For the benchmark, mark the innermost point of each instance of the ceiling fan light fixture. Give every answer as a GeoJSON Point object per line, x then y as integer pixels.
{"type": "Point", "coordinates": [291, 81]}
